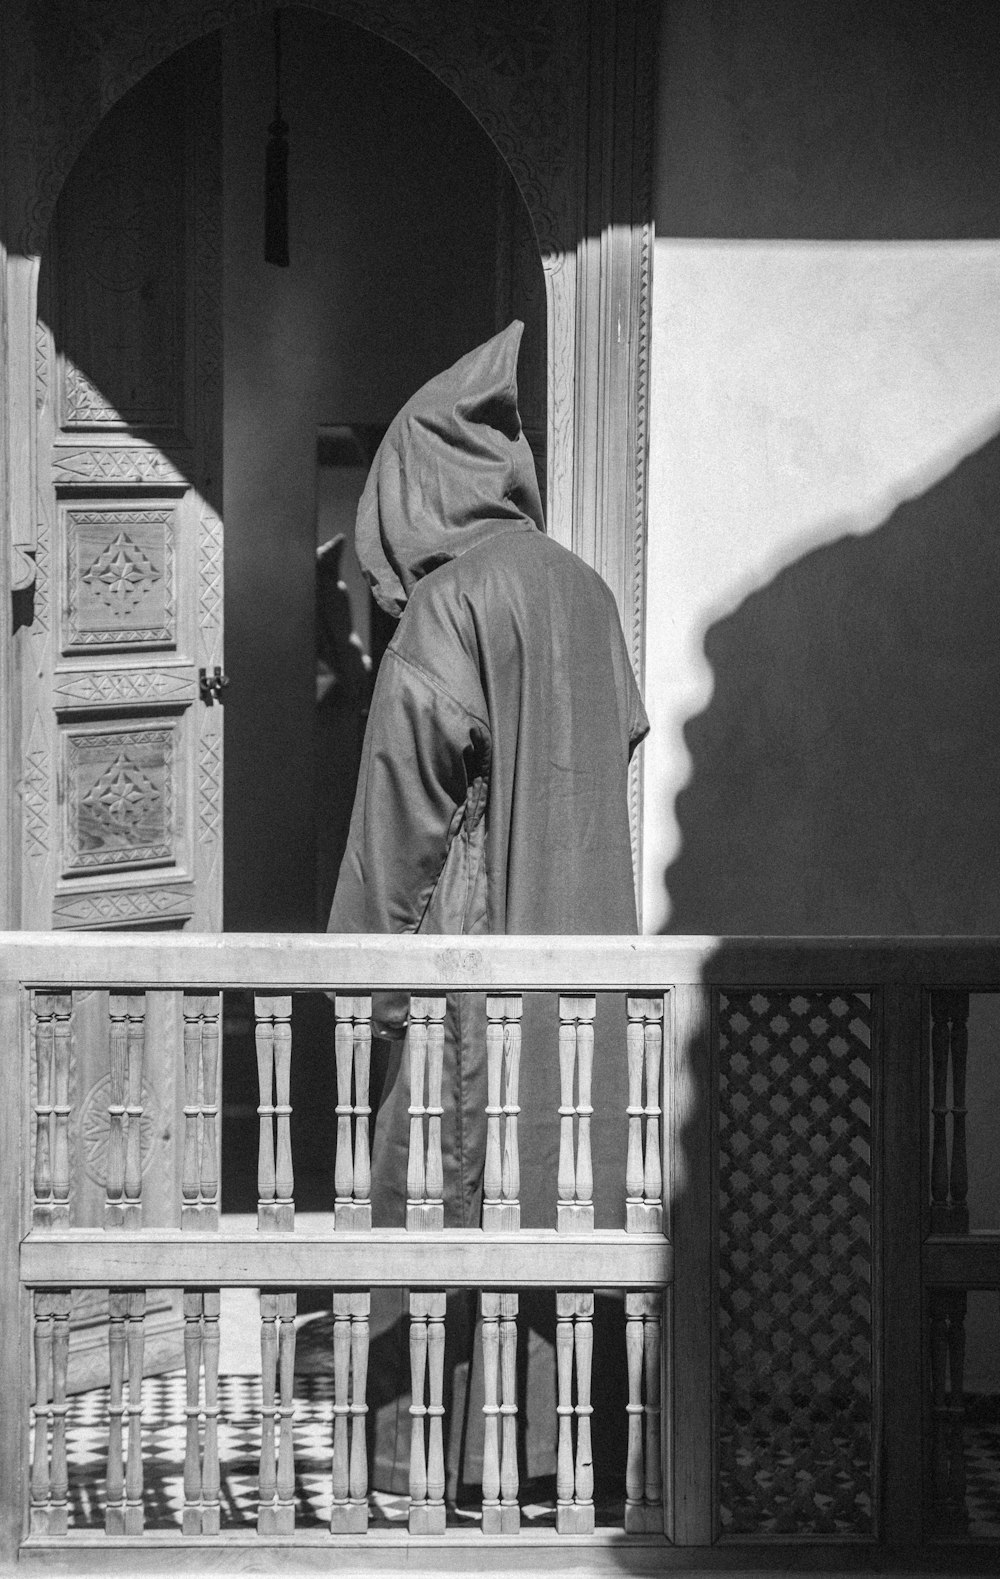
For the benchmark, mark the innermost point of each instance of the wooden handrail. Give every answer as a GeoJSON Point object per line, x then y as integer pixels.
{"type": "Point", "coordinates": [282, 962]}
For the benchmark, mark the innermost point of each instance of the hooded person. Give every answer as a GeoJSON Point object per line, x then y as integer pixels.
{"type": "Point", "coordinates": [492, 798]}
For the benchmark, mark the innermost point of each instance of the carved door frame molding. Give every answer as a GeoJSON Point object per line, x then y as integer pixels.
{"type": "Point", "coordinates": [564, 90]}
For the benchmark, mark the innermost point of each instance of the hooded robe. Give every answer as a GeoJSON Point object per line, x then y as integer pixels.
{"type": "Point", "coordinates": [492, 795]}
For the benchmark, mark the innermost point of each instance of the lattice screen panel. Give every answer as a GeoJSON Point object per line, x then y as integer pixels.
{"type": "Point", "coordinates": [795, 1264]}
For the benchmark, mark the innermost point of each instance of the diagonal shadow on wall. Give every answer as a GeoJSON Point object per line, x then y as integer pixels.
{"type": "Point", "coordinates": [844, 774]}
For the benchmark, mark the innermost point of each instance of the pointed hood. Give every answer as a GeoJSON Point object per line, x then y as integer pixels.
{"type": "Point", "coordinates": [453, 469]}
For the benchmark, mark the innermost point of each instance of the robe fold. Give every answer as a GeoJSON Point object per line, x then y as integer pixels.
{"type": "Point", "coordinates": [492, 798]}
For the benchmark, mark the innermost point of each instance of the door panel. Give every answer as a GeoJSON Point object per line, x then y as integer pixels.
{"type": "Point", "coordinates": [122, 788]}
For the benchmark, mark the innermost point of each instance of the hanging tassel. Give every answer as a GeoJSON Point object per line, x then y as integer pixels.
{"type": "Point", "coordinates": [276, 170]}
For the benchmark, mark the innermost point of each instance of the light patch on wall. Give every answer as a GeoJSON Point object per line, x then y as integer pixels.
{"type": "Point", "coordinates": [801, 392]}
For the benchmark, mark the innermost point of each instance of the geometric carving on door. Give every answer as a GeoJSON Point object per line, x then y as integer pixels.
{"type": "Point", "coordinates": [35, 793]}
{"type": "Point", "coordinates": [209, 569]}
{"type": "Point", "coordinates": [210, 788]}
{"type": "Point", "coordinates": [120, 577]}
{"type": "Point", "coordinates": [120, 797]}
{"type": "Point", "coordinates": [114, 466]}
{"type": "Point", "coordinates": [117, 687]}
{"type": "Point", "coordinates": [121, 907]}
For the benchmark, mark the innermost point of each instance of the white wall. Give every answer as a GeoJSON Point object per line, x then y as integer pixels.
{"type": "Point", "coordinates": [822, 657]}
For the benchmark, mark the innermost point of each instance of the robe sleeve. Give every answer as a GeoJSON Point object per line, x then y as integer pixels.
{"type": "Point", "coordinates": [423, 751]}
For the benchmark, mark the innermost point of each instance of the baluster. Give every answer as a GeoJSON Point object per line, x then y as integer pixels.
{"type": "Point", "coordinates": [501, 1183]}
{"type": "Point", "coordinates": [575, 1211]}
{"type": "Point", "coordinates": [349, 1514]}
{"type": "Point", "coordinates": [510, 1512]}
{"type": "Point", "coordinates": [643, 1170]}
{"type": "Point", "coordinates": [135, 1048]}
{"type": "Point", "coordinates": [200, 1175]}
{"type": "Point", "coordinates": [42, 1013]}
{"type": "Point", "coordinates": [114, 1517]}
{"type": "Point", "coordinates": [949, 1174]}
{"type": "Point", "coordinates": [114, 1212]}
{"type": "Point", "coordinates": [643, 1489]}
{"type": "Point", "coordinates": [62, 1047]}
{"type": "Point", "coordinates": [352, 1177]}
{"type": "Point", "coordinates": [210, 1478]}
{"type": "Point", "coordinates": [427, 1479]}
{"type": "Point", "coordinates": [267, 1482]}
{"type": "Point", "coordinates": [135, 1311]}
{"type": "Point", "coordinates": [49, 1470]}
{"type": "Point", "coordinates": [190, 1168]}
{"type": "Point", "coordinates": [193, 1338]}
{"type": "Point", "coordinates": [275, 1207]}
{"type": "Point", "coordinates": [276, 1512]}
{"type": "Point", "coordinates": [959, 1180]}
{"type": "Point", "coordinates": [574, 1481]}
{"type": "Point", "coordinates": [947, 1353]}
{"type": "Point", "coordinates": [565, 1486]}
{"type": "Point", "coordinates": [425, 1169]}
{"type": "Point", "coordinates": [939, 1110]}
{"type": "Point", "coordinates": [501, 1513]}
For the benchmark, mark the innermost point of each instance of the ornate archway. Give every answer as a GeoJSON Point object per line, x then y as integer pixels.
{"type": "Point", "coordinates": [564, 91]}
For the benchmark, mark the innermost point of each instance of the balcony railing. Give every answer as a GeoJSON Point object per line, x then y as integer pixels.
{"type": "Point", "coordinates": [803, 1050]}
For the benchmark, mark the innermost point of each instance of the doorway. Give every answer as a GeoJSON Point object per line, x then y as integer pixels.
{"type": "Point", "coordinates": [408, 244]}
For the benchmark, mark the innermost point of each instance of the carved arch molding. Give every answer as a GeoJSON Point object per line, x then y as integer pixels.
{"type": "Point", "coordinates": [565, 90]}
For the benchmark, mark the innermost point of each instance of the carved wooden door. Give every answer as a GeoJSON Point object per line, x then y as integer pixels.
{"type": "Point", "coordinates": [121, 785]}
{"type": "Point", "coordinates": [122, 748]}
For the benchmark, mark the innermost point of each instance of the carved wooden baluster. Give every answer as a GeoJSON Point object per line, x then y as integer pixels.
{"type": "Point", "coordinates": [352, 1177]}
{"type": "Point", "coordinates": [268, 1474]}
{"type": "Point", "coordinates": [275, 1207]}
{"type": "Point", "coordinates": [136, 1044]}
{"type": "Point", "coordinates": [360, 1308]}
{"type": "Point", "coordinates": [425, 1170]}
{"type": "Point", "coordinates": [42, 1012]}
{"type": "Point", "coordinates": [501, 1513]}
{"type": "Point", "coordinates": [634, 1172]}
{"type": "Point", "coordinates": [574, 1481]}
{"type": "Point", "coordinates": [49, 1470]}
{"type": "Point", "coordinates": [114, 1213]}
{"type": "Point", "coordinates": [575, 1211]}
{"type": "Point", "coordinates": [211, 1011]}
{"type": "Point", "coordinates": [643, 1490]}
{"type": "Point", "coordinates": [427, 1480]}
{"type": "Point", "coordinates": [947, 1354]}
{"type": "Point", "coordinates": [643, 1170]}
{"type": "Point", "coordinates": [653, 1172]}
{"type": "Point", "coordinates": [61, 1049]}
{"type": "Point", "coordinates": [584, 1346]}
{"type": "Point", "coordinates": [40, 1484]}
{"type": "Point", "coordinates": [491, 1398]}
{"type": "Point", "coordinates": [340, 1469]}
{"type": "Point", "coordinates": [190, 1167]}
{"type": "Point", "coordinates": [493, 1169]}
{"type": "Point", "coordinates": [135, 1309]}
{"type": "Point", "coordinates": [510, 1512]}
{"type": "Point", "coordinates": [502, 1184]}
{"type": "Point", "coordinates": [433, 1212]}
{"type": "Point", "coordinates": [415, 1189]}
{"type": "Point", "coordinates": [349, 1514]}
{"type": "Point", "coordinates": [565, 1484]}
{"type": "Point", "coordinates": [652, 1338]}
{"type": "Point", "coordinates": [114, 1517]}
{"type": "Point", "coordinates": [276, 1513]}
{"type": "Point", "coordinates": [343, 1173]}
{"type": "Point", "coordinates": [200, 1175]}
{"type": "Point", "coordinates": [193, 1336]}
{"type": "Point", "coordinates": [210, 1478]}
{"type": "Point", "coordinates": [959, 1178]}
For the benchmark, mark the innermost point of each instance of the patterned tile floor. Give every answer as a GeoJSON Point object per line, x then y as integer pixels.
{"type": "Point", "coordinates": [163, 1438]}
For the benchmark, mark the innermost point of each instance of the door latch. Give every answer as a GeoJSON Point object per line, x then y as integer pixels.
{"type": "Point", "coordinates": [211, 686]}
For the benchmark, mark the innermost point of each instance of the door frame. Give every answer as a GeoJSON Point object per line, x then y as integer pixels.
{"type": "Point", "coordinates": [564, 90]}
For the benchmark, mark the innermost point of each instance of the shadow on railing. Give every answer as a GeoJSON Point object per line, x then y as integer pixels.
{"type": "Point", "coordinates": [779, 1042]}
